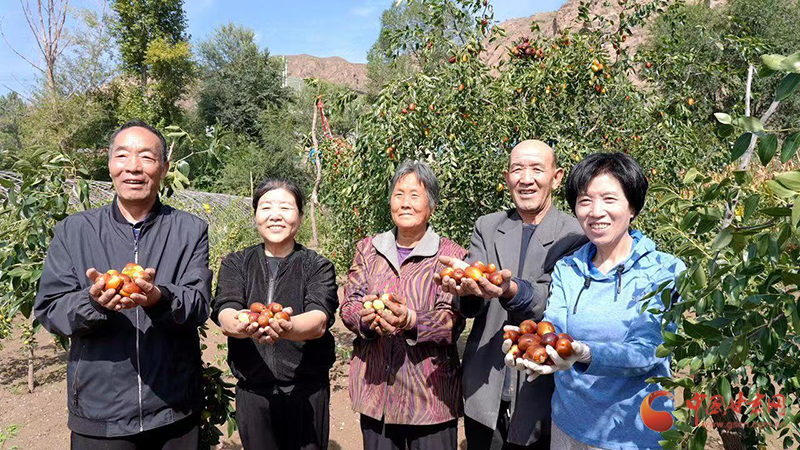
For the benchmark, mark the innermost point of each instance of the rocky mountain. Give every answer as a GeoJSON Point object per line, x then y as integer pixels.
{"type": "Point", "coordinates": [334, 69]}
{"type": "Point", "coordinates": [338, 70]}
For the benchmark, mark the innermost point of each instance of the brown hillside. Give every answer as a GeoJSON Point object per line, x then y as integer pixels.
{"type": "Point", "coordinates": [340, 71]}
{"type": "Point", "coordinates": [334, 69]}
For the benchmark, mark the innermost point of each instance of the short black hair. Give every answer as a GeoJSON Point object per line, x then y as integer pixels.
{"type": "Point", "coordinates": [620, 166]}
{"type": "Point", "coordinates": [141, 124]}
{"type": "Point", "coordinates": [270, 184]}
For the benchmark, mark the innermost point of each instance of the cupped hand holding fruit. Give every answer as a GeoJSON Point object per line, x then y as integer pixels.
{"type": "Point", "coordinates": [264, 323]}
{"type": "Point", "coordinates": [536, 349]}
{"type": "Point", "coordinates": [478, 279]}
{"type": "Point", "coordinates": [395, 316]}
{"type": "Point", "coordinates": [368, 313]}
{"type": "Point", "coordinates": [141, 290]}
{"type": "Point", "coordinates": [279, 325]}
{"type": "Point", "coordinates": [104, 290]}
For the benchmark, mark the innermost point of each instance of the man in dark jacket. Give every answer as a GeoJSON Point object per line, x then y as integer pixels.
{"type": "Point", "coordinates": [134, 369]}
{"type": "Point", "coordinates": [501, 412]}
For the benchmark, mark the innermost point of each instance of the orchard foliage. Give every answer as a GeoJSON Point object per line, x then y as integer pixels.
{"type": "Point", "coordinates": [739, 315]}
{"type": "Point", "coordinates": [463, 117]}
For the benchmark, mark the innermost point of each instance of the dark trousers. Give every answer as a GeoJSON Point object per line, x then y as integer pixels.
{"type": "Point", "coordinates": [181, 435]}
{"type": "Point", "coordinates": [381, 436]}
{"type": "Point", "coordinates": [481, 437]}
{"type": "Point", "coordinates": [284, 418]}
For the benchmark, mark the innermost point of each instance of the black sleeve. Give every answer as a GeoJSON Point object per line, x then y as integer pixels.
{"type": "Point", "coordinates": [470, 306]}
{"type": "Point", "coordinates": [230, 286]}
{"type": "Point", "coordinates": [62, 306]}
{"type": "Point", "coordinates": [321, 289]}
{"type": "Point", "coordinates": [186, 301]}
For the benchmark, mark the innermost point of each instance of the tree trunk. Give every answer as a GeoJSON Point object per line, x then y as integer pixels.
{"type": "Point", "coordinates": [315, 154]}
{"type": "Point", "coordinates": [31, 380]}
{"type": "Point", "coordinates": [143, 82]}
{"type": "Point", "coordinates": [731, 439]}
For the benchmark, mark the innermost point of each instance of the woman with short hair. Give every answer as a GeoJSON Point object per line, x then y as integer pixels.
{"type": "Point", "coordinates": [283, 390]}
{"type": "Point", "coordinates": [404, 373]}
{"type": "Point", "coordinates": [595, 297]}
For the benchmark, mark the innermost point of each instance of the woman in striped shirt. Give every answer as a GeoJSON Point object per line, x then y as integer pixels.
{"type": "Point", "coordinates": [405, 374]}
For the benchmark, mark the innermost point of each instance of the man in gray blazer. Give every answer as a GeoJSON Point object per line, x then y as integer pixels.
{"type": "Point", "coordinates": [502, 411]}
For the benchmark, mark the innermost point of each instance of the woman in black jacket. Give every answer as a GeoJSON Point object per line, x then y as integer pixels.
{"type": "Point", "coordinates": [283, 390]}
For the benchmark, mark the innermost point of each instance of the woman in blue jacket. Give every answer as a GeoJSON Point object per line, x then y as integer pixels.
{"type": "Point", "coordinates": [595, 296]}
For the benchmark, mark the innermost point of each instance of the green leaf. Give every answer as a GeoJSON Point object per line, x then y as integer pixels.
{"type": "Point", "coordinates": [742, 177]}
{"type": "Point", "coordinates": [777, 212]}
{"type": "Point", "coordinates": [750, 205]}
{"type": "Point", "coordinates": [787, 85]}
{"type": "Point", "coordinates": [791, 63]}
{"type": "Point", "coordinates": [723, 118]}
{"type": "Point", "coordinates": [183, 167]}
{"type": "Point", "coordinates": [749, 124]}
{"type": "Point", "coordinates": [790, 145]}
{"type": "Point", "coordinates": [725, 389]}
{"type": "Point", "coordinates": [772, 62]}
{"type": "Point", "coordinates": [769, 343]}
{"type": "Point", "coordinates": [698, 442]}
{"type": "Point", "coordinates": [740, 146]}
{"type": "Point", "coordinates": [700, 331]}
{"type": "Point", "coordinates": [790, 180]}
{"type": "Point", "coordinates": [796, 212]}
{"type": "Point", "coordinates": [767, 146]}
{"type": "Point", "coordinates": [722, 240]}
{"type": "Point", "coordinates": [662, 351]}
{"type": "Point", "coordinates": [779, 190]}
{"type": "Point", "coordinates": [690, 176]}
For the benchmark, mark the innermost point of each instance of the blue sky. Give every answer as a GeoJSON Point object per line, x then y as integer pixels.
{"type": "Point", "coordinates": [320, 28]}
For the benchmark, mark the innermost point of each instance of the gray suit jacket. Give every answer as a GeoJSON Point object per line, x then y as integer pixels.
{"type": "Point", "coordinates": [496, 239]}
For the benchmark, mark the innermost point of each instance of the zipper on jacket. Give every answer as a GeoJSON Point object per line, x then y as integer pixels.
{"type": "Point", "coordinates": [619, 280]}
{"type": "Point", "coordinates": [272, 278]}
{"type": "Point", "coordinates": [75, 382]}
{"type": "Point", "coordinates": [586, 282]}
{"type": "Point", "coordinates": [136, 330]}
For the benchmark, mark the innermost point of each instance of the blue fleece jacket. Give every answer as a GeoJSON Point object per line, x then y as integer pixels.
{"type": "Point", "coordinates": [598, 403]}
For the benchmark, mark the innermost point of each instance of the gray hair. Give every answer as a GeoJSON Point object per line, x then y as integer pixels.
{"type": "Point", "coordinates": [425, 176]}
{"type": "Point", "coordinates": [139, 124]}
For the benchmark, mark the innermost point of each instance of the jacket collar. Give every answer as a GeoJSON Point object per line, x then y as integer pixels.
{"type": "Point", "coordinates": [296, 251]}
{"type": "Point", "coordinates": [546, 230]}
{"type": "Point", "coordinates": [642, 245]}
{"type": "Point", "coordinates": [386, 244]}
{"type": "Point", "coordinates": [119, 218]}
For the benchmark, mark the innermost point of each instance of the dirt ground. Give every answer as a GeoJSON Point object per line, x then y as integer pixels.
{"type": "Point", "coordinates": [40, 418]}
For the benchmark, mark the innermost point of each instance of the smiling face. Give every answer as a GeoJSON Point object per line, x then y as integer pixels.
{"type": "Point", "coordinates": [409, 204]}
{"type": "Point", "coordinates": [603, 211]}
{"type": "Point", "coordinates": [277, 217]}
{"type": "Point", "coordinates": [136, 166]}
{"type": "Point", "coordinates": [531, 177]}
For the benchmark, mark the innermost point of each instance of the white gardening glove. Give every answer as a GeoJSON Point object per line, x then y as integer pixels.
{"type": "Point", "coordinates": [580, 353]}
{"type": "Point", "coordinates": [508, 358]}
